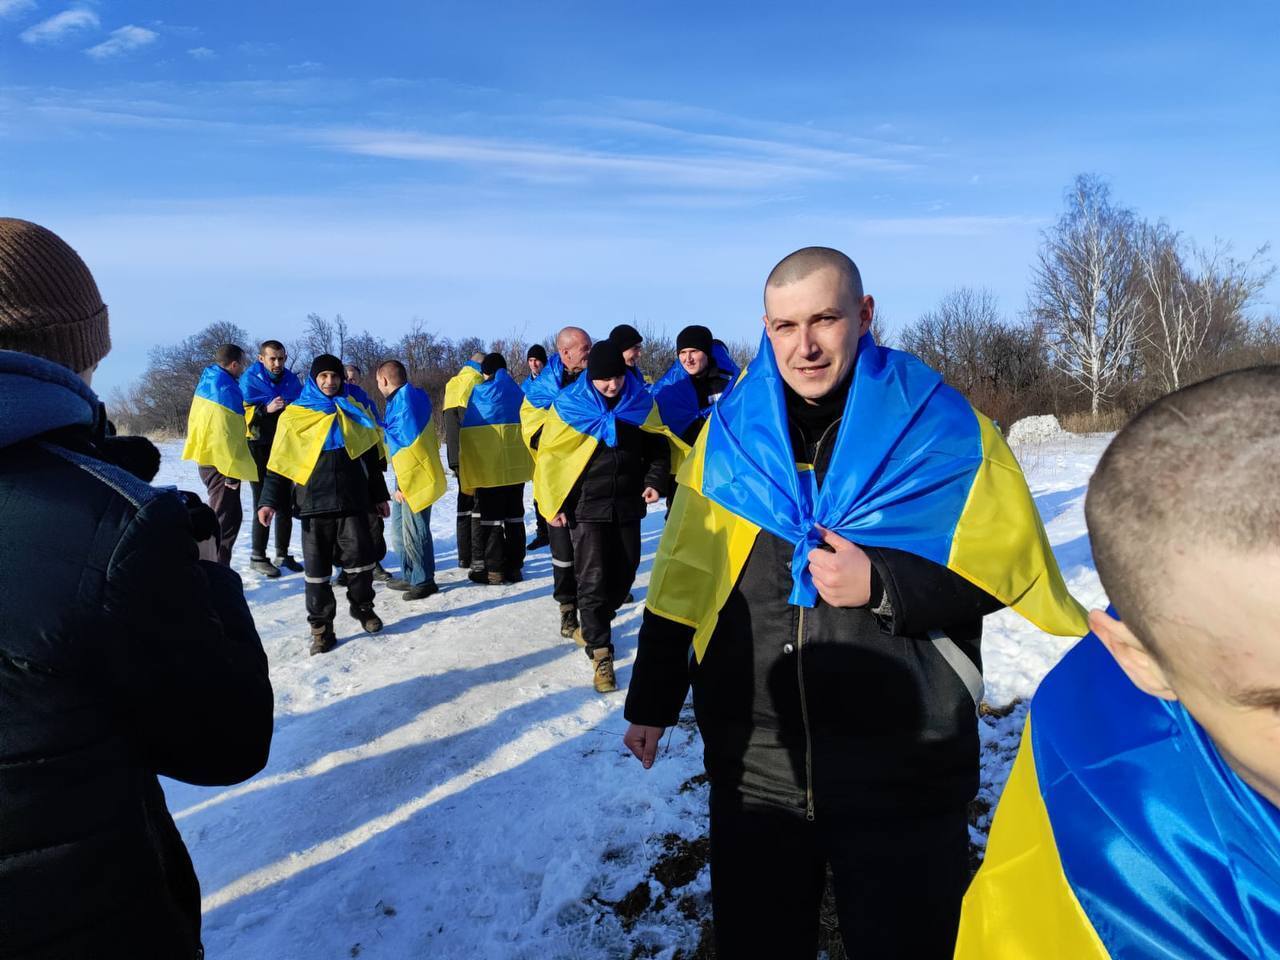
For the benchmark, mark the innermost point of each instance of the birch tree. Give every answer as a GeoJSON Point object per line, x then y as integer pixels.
{"type": "Point", "coordinates": [1083, 289]}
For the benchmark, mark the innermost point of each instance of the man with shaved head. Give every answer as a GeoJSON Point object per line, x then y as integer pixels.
{"type": "Point", "coordinates": [840, 730]}
{"type": "Point", "coordinates": [1152, 749]}
{"type": "Point", "coordinates": [573, 344]}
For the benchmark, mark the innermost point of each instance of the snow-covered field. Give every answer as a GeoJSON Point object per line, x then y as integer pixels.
{"type": "Point", "coordinates": [453, 787]}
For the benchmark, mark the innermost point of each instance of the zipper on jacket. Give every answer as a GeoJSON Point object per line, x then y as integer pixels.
{"type": "Point", "coordinates": [804, 703]}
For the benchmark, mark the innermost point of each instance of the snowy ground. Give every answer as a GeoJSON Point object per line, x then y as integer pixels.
{"type": "Point", "coordinates": [453, 787]}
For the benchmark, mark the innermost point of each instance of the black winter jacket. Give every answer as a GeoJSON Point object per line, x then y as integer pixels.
{"type": "Point", "coordinates": [831, 710]}
{"type": "Point", "coordinates": [122, 656]}
{"type": "Point", "coordinates": [611, 485]}
{"type": "Point", "coordinates": [339, 486]}
{"type": "Point", "coordinates": [711, 383]}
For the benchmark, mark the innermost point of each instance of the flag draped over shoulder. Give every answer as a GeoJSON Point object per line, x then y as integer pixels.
{"type": "Point", "coordinates": [539, 392]}
{"type": "Point", "coordinates": [1122, 833]}
{"type": "Point", "coordinates": [414, 448]}
{"type": "Point", "coordinates": [259, 388]}
{"type": "Point", "coordinates": [457, 391]}
{"type": "Point", "coordinates": [215, 426]}
{"type": "Point", "coordinates": [578, 420]}
{"type": "Point", "coordinates": [914, 468]}
{"type": "Point", "coordinates": [491, 452]}
{"type": "Point", "coordinates": [314, 423]}
{"type": "Point", "coordinates": [677, 398]}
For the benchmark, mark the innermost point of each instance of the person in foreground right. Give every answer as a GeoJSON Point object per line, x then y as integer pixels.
{"type": "Point", "coordinates": [1141, 817]}
{"type": "Point", "coordinates": [846, 521]}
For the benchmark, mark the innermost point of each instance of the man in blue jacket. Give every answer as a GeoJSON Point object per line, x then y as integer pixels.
{"type": "Point", "coordinates": [120, 660]}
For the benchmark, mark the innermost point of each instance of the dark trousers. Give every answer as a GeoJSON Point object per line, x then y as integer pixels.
{"type": "Point", "coordinates": [564, 581]}
{"type": "Point", "coordinates": [224, 500]}
{"type": "Point", "coordinates": [605, 558]}
{"type": "Point", "coordinates": [346, 542]}
{"type": "Point", "coordinates": [541, 521]}
{"type": "Point", "coordinates": [898, 881]}
{"type": "Point", "coordinates": [497, 529]}
{"type": "Point", "coordinates": [261, 453]}
{"type": "Point", "coordinates": [466, 506]}
{"type": "Point", "coordinates": [377, 536]}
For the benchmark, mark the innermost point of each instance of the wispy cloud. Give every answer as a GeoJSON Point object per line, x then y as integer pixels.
{"type": "Point", "coordinates": [201, 53]}
{"type": "Point", "coordinates": [122, 41]}
{"type": "Point", "coordinates": [60, 26]}
{"type": "Point", "coordinates": [11, 8]}
{"type": "Point", "coordinates": [306, 66]}
{"type": "Point", "coordinates": [554, 163]}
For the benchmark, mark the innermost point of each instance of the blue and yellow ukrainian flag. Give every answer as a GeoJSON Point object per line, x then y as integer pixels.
{"type": "Point", "coordinates": [414, 447]}
{"type": "Point", "coordinates": [1122, 832]}
{"type": "Point", "coordinates": [314, 423]}
{"type": "Point", "coordinates": [490, 450]}
{"type": "Point", "coordinates": [259, 389]}
{"type": "Point", "coordinates": [538, 396]}
{"type": "Point", "coordinates": [677, 398]}
{"type": "Point", "coordinates": [577, 422]}
{"type": "Point", "coordinates": [457, 391]}
{"type": "Point", "coordinates": [916, 469]}
{"type": "Point", "coordinates": [215, 426]}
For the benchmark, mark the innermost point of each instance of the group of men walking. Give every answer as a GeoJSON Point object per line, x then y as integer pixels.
{"type": "Point", "coordinates": [596, 439]}
{"type": "Point", "coordinates": [843, 523]}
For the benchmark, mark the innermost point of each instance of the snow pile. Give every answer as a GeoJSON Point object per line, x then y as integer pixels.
{"type": "Point", "coordinates": [453, 787]}
{"type": "Point", "coordinates": [1035, 430]}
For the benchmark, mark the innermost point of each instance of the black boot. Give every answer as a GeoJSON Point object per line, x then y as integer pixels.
{"type": "Point", "coordinates": [568, 620]}
{"type": "Point", "coordinates": [264, 566]}
{"type": "Point", "coordinates": [537, 543]}
{"type": "Point", "coordinates": [422, 591]}
{"type": "Point", "coordinates": [380, 574]}
{"type": "Point", "coordinates": [288, 563]}
{"type": "Point", "coordinates": [367, 618]}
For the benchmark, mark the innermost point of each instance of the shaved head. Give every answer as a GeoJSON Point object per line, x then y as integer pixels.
{"type": "Point", "coordinates": [571, 335]}
{"type": "Point", "coordinates": [394, 372]}
{"type": "Point", "coordinates": [1193, 474]}
{"type": "Point", "coordinates": [808, 260]}
{"type": "Point", "coordinates": [574, 344]}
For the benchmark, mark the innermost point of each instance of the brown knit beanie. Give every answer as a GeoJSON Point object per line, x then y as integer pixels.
{"type": "Point", "coordinates": [49, 304]}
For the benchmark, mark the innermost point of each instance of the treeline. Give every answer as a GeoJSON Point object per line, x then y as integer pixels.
{"type": "Point", "coordinates": [1119, 311]}
{"type": "Point", "coordinates": [158, 402]}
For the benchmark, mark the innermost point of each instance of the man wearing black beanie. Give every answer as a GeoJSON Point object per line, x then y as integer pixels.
{"type": "Point", "coordinates": [332, 494]}
{"type": "Point", "coordinates": [610, 496]}
{"type": "Point", "coordinates": [536, 360]}
{"type": "Point", "coordinates": [627, 339]}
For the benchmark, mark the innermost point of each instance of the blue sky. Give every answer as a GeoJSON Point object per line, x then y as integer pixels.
{"type": "Point", "coordinates": [511, 167]}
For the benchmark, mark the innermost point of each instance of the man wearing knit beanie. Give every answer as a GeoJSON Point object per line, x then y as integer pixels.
{"type": "Point", "coordinates": [601, 425]}
{"type": "Point", "coordinates": [536, 361]}
{"type": "Point", "coordinates": [137, 658]}
{"type": "Point", "coordinates": [627, 339]}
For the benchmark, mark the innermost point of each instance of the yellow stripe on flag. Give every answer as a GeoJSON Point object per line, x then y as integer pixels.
{"type": "Point", "coordinates": [457, 391]}
{"type": "Point", "coordinates": [1020, 904]}
{"type": "Point", "coordinates": [1001, 546]}
{"type": "Point", "coordinates": [419, 472]}
{"type": "Point", "coordinates": [300, 437]}
{"type": "Point", "coordinates": [691, 584]}
{"type": "Point", "coordinates": [563, 453]}
{"type": "Point", "coordinates": [215, 438]}
{"type": "Point", "coordinates": [492, 455]}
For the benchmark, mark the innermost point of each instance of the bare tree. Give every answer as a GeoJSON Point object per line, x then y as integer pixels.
{"type": "Point", "coordinates": [1085, 291]}
{"type": "Point", "coordinates": [1174, 324]}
